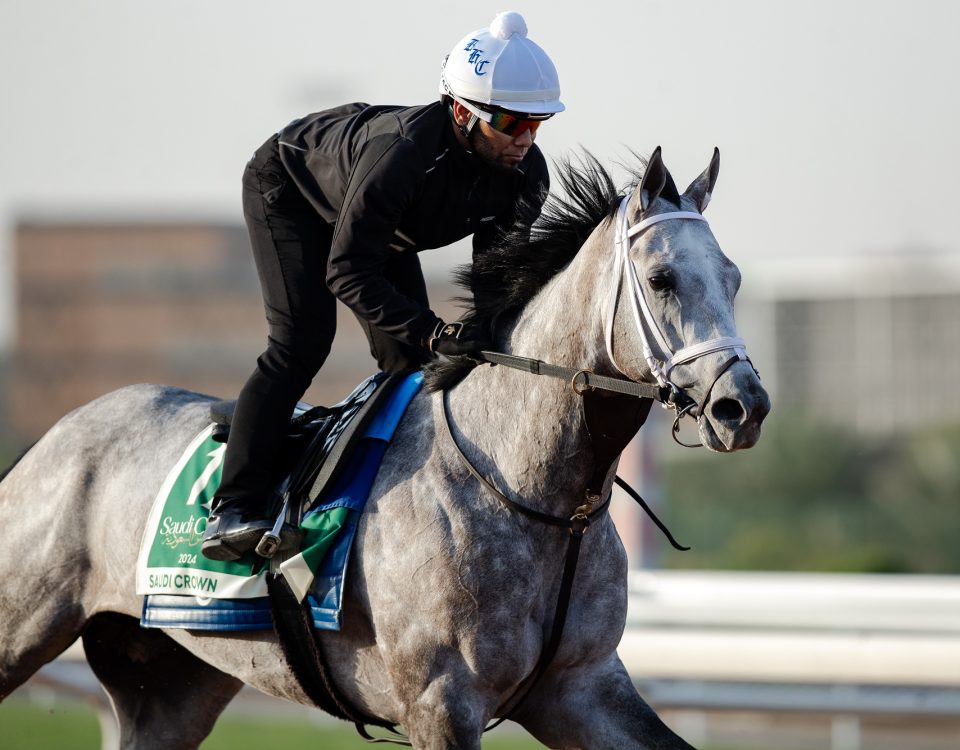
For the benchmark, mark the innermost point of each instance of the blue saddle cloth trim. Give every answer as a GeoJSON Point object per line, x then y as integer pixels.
{"type": "Point", "coordinates": [351, 490]}
{"type": "Point", "coordinates": [384, 423]}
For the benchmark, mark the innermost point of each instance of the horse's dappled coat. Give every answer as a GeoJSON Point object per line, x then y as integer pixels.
{"type": "Point", "coordinates": [450, 595]}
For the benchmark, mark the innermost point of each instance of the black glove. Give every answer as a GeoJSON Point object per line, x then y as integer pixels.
{"type": "Point", "coordinates": [454, 339]}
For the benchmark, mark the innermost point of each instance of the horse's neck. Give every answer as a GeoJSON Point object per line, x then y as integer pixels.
{"type": "Point", "coordinates": [525, 432]}
{"type": "Point", "coordinates": [563, 324]}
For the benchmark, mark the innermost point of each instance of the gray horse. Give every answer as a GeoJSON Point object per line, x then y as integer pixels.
{"type": "Point", "coordinates": [450, 594]}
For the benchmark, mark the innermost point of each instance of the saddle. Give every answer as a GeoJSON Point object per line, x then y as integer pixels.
{"type": "Point", "coordinates": [318, 441]}
{"type": "Point", "coordinates": [338, 451]}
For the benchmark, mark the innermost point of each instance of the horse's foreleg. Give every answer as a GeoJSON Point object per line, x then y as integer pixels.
{"type": "Point", "coordinates": [595, 707]}
{"type": "Point", "coordinates": [445, 716]}
{"type": "Point", "coordinates": [165, 698]}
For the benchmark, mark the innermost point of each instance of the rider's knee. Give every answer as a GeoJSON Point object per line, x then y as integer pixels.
{"type": "Point", "coordinates": [298, 361]}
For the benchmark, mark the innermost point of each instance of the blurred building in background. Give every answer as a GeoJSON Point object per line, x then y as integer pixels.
{"type": "Point", "coordinates": [870, 341]}
{"type": "Point", "coordinates": [103, 305]}
{"type": "Point", "coordinates": [100, 306]}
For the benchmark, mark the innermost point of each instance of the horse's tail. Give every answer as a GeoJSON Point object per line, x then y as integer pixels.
{"type": "Point", "coordinates": [17, 460]}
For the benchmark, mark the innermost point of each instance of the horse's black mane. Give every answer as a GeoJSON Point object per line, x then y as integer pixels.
{"type": "Point", "coordinates": [506, 277]}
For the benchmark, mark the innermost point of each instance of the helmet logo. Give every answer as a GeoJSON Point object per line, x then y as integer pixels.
{"type": "Point", "coordinates": [475, 57]}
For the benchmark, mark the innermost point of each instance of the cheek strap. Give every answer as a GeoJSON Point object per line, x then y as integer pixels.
{"type": "Point", "coordinates": [642, 315]}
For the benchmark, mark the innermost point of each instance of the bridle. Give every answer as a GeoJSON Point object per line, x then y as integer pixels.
{"type": "Point", "coordinates": [662, 366]}
{"type": "Point", "coordinates": [666, 392]}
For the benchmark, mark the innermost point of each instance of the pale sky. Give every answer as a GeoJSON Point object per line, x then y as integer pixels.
{"type": "Point", "coordinates": [837, 121]}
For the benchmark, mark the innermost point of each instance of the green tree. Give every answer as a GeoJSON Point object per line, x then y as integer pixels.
{"type": "Point", "coordinates": [812, 496]}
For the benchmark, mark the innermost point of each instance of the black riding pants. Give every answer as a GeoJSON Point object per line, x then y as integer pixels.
{"type": "Point", "coordinates": [291, 243]}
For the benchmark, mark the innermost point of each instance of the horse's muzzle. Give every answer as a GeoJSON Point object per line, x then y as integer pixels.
{"type": "Point", "coordinates": [737, 407]}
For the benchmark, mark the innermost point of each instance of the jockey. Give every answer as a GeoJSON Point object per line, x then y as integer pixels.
{"type": "Point", "coordinates": [339, 203]}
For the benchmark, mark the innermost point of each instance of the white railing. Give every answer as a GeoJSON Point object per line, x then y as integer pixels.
{"type": "Point", "coordinates": [783, 627]}
{"type": "Point", "coordinates": [845, 647]}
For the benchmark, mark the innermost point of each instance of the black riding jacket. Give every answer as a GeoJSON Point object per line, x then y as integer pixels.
{"type": "Point", "coordinates": [396, 180]}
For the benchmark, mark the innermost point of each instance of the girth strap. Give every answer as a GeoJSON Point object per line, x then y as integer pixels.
{"type": "Point", "coordinates": [577, 525]}
{"type": "Point", "coordinates": [301, 646]}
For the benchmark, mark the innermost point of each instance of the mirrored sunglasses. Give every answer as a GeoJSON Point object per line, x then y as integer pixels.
{"type": "Point", "coordinates": [508, 123]}
{"type": "Point", "coordinates": [512, 125]}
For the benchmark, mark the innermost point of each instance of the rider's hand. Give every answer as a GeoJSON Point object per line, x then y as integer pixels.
{"type": "Point", "coordinates": [453, 339]}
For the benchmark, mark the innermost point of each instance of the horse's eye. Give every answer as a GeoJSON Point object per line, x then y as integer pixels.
{"type": "Point", "coordinates": [661, 281]}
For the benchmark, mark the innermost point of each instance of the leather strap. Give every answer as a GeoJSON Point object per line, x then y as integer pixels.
{"type": "Point", "coordinates": [609, 432]}
{"type": "Point", "coordinates": [581, 380]}
{"type": "Point", "coordinates": [301, 646]}
{"type": "Point", "coordinates": [612, 422]}
{"type": "Point", "coordinates": [556, 632]}
{"type": "Point", "coordinates": [513, 505]}
{"type": "Point", "coordinates": [577, 526]}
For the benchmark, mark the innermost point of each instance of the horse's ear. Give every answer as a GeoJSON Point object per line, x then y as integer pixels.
{"type": "Point", "coordinates": [654, 180]}
{"type": "Point", "coordinates": [701, 188]}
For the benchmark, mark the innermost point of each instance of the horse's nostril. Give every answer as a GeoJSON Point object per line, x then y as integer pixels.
{"type": "Point", "coordinates": [727, 410]}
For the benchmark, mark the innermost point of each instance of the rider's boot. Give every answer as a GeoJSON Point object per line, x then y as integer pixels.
{"type": "Point", "coordinates": [233, 529]}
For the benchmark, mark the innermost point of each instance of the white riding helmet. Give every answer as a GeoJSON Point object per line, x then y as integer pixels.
{"type": "Point", "coordinates": [500, 67]}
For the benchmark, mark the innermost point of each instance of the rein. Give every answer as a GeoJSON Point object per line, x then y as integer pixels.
{"type": "Point", "coordinates": [583, 381]}
{"type": "Point", "coordinates": [582, 516]}
{"type": "Point", "coordinates": [576, 526]}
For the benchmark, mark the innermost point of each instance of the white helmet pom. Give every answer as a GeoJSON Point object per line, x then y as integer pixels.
{"type": "Point", "coordinates": [508, 23]}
